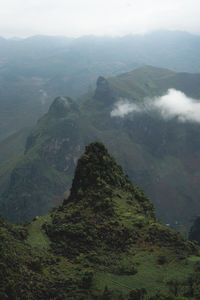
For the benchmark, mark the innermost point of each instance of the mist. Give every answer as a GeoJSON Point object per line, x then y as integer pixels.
{"type": "Point", "coordinates": [76, 18]}
{"type": "Point", "coordinates": [43, 96]}
{"type": "Point", "coordinates": [174, 104]}
{"type": "Point", "coordinates": [123, 107]}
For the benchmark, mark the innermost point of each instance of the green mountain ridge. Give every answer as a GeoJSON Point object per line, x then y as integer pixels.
{"type": "Point", "coordinates": [35, 70]}
{"type": "Point", "coordinates": [160, 156]}
{"type": "Point", "coordinates": [103, 242]}
{"type": "Point", "coordinates": [11, 149]}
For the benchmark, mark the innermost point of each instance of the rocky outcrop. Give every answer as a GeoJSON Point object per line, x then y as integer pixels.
{"type": "Point", "coordinates": [103, 92]}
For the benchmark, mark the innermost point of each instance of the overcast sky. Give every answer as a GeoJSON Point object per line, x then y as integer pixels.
{"type": "Point", "coordinates": [24, 18]}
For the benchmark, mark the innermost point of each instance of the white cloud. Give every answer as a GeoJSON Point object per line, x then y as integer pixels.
{"type": "Point", "coordinates": [175, 104]}
{"type": "Point", "coordinates": [123, 107]}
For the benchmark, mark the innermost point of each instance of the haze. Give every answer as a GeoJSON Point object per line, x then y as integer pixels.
{"type": "Point", "coordinates": [24, 18]}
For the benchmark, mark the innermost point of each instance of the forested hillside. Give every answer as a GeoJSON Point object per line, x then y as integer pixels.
{"type": "Point", "coordinates": [103, 242]}
{"type": "Point", "coordinates": [160, 154]}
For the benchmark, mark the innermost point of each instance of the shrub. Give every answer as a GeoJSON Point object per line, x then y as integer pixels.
{"type": "Point", "coordinates": [162, 259]}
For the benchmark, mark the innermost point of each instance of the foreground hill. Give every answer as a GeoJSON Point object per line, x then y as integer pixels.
{"type": "Point", "coordinates": [103, 242]}
{"type": "Point", "coordinates": [160, 155]}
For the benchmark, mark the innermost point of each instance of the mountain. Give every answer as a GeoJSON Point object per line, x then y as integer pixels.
{"type": "Point", "coordinates": [11, 149]}
{"type": "Point", "coordinates": [103, 242]}
{"type": "Point", "coordinates": [35, 70]}
{"type": "Point", "coordinates": [47, 164]}
{"type": "Point", "coordinates": [159, 155]}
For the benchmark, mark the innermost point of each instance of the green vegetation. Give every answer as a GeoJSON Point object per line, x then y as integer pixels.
{"type": "Point", "coordinates": [103, 242]}
{"type": "Point", "coordinates": [36, 235]}
{"type": "Point", "coordinates": [11, 151]}
{"type": "Point", "coordinates": [194, 234]}
{"type": "Point", "coordinates": [160, 156]}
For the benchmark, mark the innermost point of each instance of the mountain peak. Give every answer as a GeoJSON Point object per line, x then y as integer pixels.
{"type": "Point", "coordinates": [96, 167]}
{"type": "Point", "coordinates": [61, 106]}
{"type": "Point", "coordinates": [98, 178]}
{"type": "Point", "coordinates": [103, 92]}
{"type": "Point", "coordinates": [101, 81]}
{"type": "Point", "coordinates": [106, 211]}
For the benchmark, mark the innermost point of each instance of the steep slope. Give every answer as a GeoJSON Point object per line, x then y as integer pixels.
{"type": "Point", "coordinates": [103, 242]}
{"type": "Point", "coordinates": [159, 155]}
{"type": "Point", "coordinates": [96, 206]}
{"type": "Point", "coordinates": [19, 274]}
{"type": "Point", "coordinates": [10, 150]}
{"type": "Point", "coordinates": [41, 176]}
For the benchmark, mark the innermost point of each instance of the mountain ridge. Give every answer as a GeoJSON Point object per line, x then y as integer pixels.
{"type": "Point", "coordinates": [103, 234]}
{"type": "Point", "coordinates": [137, 141]}
{"type": "Point", "coordinates": [36, 70]}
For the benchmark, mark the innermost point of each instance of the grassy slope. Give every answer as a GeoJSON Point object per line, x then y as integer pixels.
{"type": "Point", "coordinates": [36, 235]}
{"type": "Point", "coordinates": [151, 81]}
{"type": "Point", "coordinates": [73, 250]}
{"type": "Point", "coordinates": [150, 274]}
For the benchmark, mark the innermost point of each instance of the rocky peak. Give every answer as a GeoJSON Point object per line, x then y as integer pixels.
{"type": "Point", "coordinates": [101, 81]}
{"type": "Point", "coordinates": [97, 168]}
{"type": "Point", "coordinates": [61, 106]}
{"type": "Point", "coordinates": [103, 91]}
{"type": "Point", "coordinates": [98, 179]}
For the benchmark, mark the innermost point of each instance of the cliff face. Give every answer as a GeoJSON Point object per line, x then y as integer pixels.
{"type": "Point", "coordinates": [44, 173]}
{"type": "Point", "coordinates": [104, 92]}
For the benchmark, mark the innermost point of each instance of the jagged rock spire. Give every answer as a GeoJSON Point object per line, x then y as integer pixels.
{"type": "Point", "coordinates": [61, 106]}
{"type": "Point", "coordinates": [103, 92]}
{"type": "Point", "coordinates": [95, 166]}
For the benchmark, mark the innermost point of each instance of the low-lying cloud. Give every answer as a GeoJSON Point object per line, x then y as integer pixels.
{"type": "Point", "coordinates": [175, 104]}
{"type": "Point", "coordinates": [43, 96]}
{"type": "Point", "coordinates": [123, 107]}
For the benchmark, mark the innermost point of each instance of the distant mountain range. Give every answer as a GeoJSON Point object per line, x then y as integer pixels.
{"type": "Point", "coordinates": [159, 152]}
{"type": "Point", "coordinates": [35, 70]}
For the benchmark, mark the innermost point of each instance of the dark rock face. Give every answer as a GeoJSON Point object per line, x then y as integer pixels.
{"type": "Point", "coordinates": [101, 81]}
{"type": "Point", "coordinates": [51, 153]}
{"type": "Point", "coordinates": [103, 91]}
{"type": "Point", "coordinates": [61, 106]}
{"type": "Point", "coordinates": [62, 154]}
